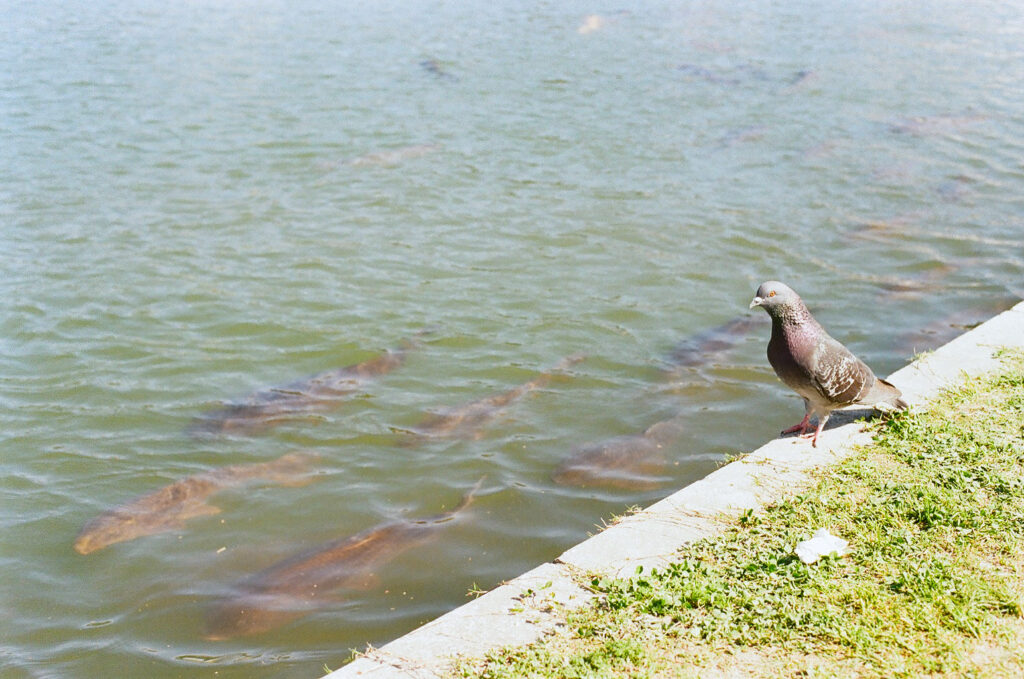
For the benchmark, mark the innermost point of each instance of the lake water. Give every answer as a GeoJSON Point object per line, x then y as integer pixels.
{"type": "Point", "coordinates": [202, 199]}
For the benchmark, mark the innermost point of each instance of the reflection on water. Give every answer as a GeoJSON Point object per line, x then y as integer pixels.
{"type": "Point", "coordinates": [202, 199]}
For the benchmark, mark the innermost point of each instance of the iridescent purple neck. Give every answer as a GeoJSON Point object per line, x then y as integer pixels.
{"type": "Point", "coordinates": [793, 313]}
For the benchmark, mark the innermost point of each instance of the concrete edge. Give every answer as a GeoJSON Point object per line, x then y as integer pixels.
{"type": "Point", "coordinates": [529, 606]}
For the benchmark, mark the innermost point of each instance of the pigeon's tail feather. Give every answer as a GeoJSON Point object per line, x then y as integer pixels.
{"type": "Point", "coordinates": [884, 392]}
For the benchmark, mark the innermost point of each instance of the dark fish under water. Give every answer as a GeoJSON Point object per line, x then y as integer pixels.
{"type": "Point", "coordinates": [168, 508]}
{"type": "Point", "coordinates": [801, 77]}
{"type": "Point", "coordinates": [798, 81]}
{"type": "Point", "coordinates": [955, 189]}
{"type": "Point", "coordinates": [948, 328]}
{"type": "Point", "coordinates": [320, 393]}
{"type": "Point", "coordinates": [635, 462]}
{"type": "Point", "coordinates": [733, 75]}
{"type": "Point", "coordinates": [924, 283]}
{"type": "Point", "coordinates": [934, 125]}
{"type": "Point", "coordinates": [468, 420]}
{"type": "Point", "coordinates": [741, 135]}
{"type": "Point", "coordinates": [928, 280]}
{"type": "Point", "coordinates": [883, 230]}
{"type": "Point", "coordinates": [435, 68]}
{"type": "Point", "coordinates": [705, 346]}
{"type": "Point", "coordinates": [293, 587]}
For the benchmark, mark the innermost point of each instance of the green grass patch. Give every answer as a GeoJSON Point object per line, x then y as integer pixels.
{"type": "Point", "coordinates": [934, 513]}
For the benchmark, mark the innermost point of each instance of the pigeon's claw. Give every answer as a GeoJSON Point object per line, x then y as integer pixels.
{"type": "Point", "coordinates": [812, 435]}
{"type": "Point", "coordinates": [802, 427]}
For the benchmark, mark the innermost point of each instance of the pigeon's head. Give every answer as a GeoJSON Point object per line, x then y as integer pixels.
{"type": "Point", "coordinates": [776, 298]}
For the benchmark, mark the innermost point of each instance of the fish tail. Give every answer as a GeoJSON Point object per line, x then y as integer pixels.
{"type": "Point", "coordinates": [570, 360]}
{"type": "Point", "coordinates": [467, 499]}
{"type": "Point", "coordinates": [417, 338]}
{"type": "Point", "coordinates": [291, 469]}
{"type": "Point", "coordinates": [544, 378]}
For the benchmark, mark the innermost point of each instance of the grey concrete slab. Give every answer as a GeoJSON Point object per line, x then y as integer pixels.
{"type": "Point", "coordinates": [515, 613]}
{"type": "Point", "coordinates": [505, 616]}
{"type": "Point", "coordinates": [646, 539]}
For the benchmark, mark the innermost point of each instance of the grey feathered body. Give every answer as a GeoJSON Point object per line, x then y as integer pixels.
{"type": "Point", "coordinates": [820, 369]}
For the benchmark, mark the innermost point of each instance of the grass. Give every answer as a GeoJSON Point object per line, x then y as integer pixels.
{"type": "Point", "coordinates": [934, 513]}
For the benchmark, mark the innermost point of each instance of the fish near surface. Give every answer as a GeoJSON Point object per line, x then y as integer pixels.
{"type": "Point", "coordinates": [701, 348]}
{"type": "Point", "coordinates": [393, 156]}
{"type": "Point", "coordinates": [634, 462]}
{"type": "Point", "coordinates": [467, 421]}
{"type": "Point", "coordinates": [322, 392]}
{"type": "Point", "coordinates": [293, 587]}
{"type": "Point", "coordinates": [742, 135]}
{"type": "Point", "coordinates": [437, 69]}
{"type": "Point", "coordinates": [944, 330]}
{"type": "Point", "coordinates": [941, 124]}
{"type": "Point", "coordinates": [169, 507]}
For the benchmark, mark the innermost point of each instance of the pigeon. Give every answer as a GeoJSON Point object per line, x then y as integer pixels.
{"type": "Point", "coordinates": [818, 368]}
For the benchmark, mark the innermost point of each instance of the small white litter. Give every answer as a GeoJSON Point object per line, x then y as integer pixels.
{"type": "Point", "coordinates": [822, 543]}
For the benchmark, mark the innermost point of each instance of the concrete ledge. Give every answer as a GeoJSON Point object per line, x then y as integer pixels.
{"type": "Point", "coordinates": [514, 613]}
{"type": "Point", "coordinates": [523, 609]}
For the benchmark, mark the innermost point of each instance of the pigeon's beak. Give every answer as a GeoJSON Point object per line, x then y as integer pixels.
{"type": "Point", "coordinates": [755, 302]}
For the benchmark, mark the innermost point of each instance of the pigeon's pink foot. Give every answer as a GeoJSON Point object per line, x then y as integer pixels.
{"type": "Point", "coordinates": [812, 435]}
{"type": "Point", "coordinates": [802, 427]}
{"type": "Point", "coordinates": [817, 430]}
{"type": "Point", "coordinates": [814, 441]}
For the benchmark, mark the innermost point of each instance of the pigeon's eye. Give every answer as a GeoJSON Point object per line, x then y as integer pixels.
{"type": "Point", "coordinates": [771, 294]}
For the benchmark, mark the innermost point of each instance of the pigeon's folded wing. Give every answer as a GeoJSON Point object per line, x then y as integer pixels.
{"type": "Point", "coordinates": [839, 376]}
